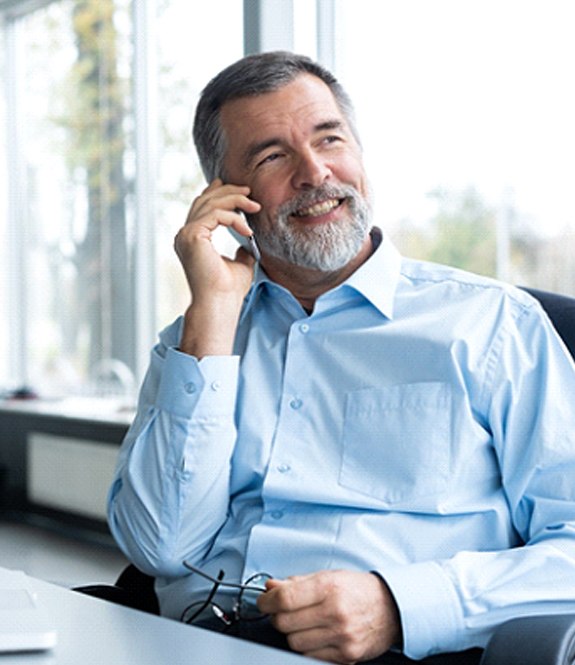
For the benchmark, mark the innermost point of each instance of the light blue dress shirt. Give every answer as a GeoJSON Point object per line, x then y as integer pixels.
{"type": "Point", "coordinates": [419, 423]}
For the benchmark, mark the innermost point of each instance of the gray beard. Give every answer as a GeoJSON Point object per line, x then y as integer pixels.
{"type": "Point", "coordinates": [326, 247]}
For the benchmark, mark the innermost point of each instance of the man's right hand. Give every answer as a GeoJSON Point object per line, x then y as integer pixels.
{"type": "Point", "coordinates": [218, 284]}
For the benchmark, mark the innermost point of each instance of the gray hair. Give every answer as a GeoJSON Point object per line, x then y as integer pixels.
{"type": "Point", "coordinates": [251, 76]}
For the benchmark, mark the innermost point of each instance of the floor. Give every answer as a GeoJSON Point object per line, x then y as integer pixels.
{"type": "Point", "coordinates": [57, 557]}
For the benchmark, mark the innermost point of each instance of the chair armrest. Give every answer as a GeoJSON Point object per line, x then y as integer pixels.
{"type": "Point", "coordinates": [132, 589]}
{"type": "Point", "coordinates": [534, 640]}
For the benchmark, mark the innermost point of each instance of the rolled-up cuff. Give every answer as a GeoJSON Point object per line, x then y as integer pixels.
{"type": "Point", "coordinates": [185, 381]}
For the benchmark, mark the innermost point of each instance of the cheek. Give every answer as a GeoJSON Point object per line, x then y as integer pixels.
{"type": "Point", "coordinates": [270, 197]}
{"type": "Point", "coordinates": [260, 222]}
{"type": "Point", "coordinates": [351, 170]}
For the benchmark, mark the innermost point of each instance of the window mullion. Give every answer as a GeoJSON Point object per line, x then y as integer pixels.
{"type": "Point", "coordinates": [268, 25]}
{"type": "Point", "coordinates": [17, 274]}
{"type": "Point", "coordinates": [146, 122]}
{"type": "Point", "coordinates": [326, 42]}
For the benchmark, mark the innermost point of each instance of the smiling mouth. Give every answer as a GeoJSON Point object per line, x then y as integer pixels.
{"type": "Point", "coordinates": [318, 209]}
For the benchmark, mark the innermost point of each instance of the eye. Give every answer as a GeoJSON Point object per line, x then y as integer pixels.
{"type": "Point", "coordinates": [332, 139]}
{"type": "Point", "coordinates": [268, 159]}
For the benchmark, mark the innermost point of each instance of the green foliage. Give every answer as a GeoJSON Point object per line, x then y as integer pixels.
{"type": "Point", "coordinates": [462, 233]}
{"type": "Point", "coordinates": [97, 110]}
{"type": "Point", "coordinates": [93, 114]}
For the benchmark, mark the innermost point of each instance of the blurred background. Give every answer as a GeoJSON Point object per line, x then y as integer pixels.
{"type": "Point", "coordinates": [466, 110]}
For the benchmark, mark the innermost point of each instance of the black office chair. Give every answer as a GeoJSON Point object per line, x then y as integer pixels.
{"type": "Point", "coordinates": [132, 589]}
{"type": "Point", "coordinates": [561, 311]}
{"type": "Point", "coordinates": [550, 639]}
{"type": "Point", "coordinates": [534, 640]}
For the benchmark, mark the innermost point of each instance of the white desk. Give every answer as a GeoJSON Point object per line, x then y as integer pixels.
{"type": "Point", "coordinates": [95, 632]}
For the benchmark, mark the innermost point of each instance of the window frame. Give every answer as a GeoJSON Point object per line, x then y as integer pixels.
{"type": "Point", "coordinates": [260, 34]}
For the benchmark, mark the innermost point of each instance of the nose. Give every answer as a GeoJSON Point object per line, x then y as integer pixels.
{"type": "Point", "coordinates": [311, 171]}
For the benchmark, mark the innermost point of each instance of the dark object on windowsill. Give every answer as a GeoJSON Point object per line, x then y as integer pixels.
{"type": "Point", "coordinates": [22, 393]}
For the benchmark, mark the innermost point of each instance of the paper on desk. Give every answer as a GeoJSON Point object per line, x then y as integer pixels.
{"type": "Point", "coordinates": [24, 626]}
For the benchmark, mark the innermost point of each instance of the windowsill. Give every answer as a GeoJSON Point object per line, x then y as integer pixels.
{"type": "Point", "coordinates": [96, 409]}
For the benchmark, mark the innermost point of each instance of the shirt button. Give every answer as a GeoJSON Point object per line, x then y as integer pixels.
{"type": "Point", "coordinates": [216, 385]}
{"type": "Point", "coordinates": [283, 468]}
{"type": "Point", "coordinates": [296, 404]}
{"type": "Point", "coordinates": [304, 328]}
{"type": "Point", "coordinates": [277, 514]}
{"type": "Point", "coordinates": [190, 388]}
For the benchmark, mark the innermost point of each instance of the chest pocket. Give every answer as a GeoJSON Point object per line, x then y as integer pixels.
{"type": "Point", "coordinates": [396, 444]}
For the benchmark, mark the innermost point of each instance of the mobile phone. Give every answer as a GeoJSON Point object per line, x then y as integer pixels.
{"type": "Point", "coordinates": [247, 242]}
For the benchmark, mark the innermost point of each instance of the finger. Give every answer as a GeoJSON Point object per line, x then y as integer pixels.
{"type": "Point", "coordinates": [203, 209]}
{"type": "Point", "coordinates": [293, 593]}
{"type": "Point", "coordinates": [312, 640]}
{"type": "Point", "coordinates": [301, 620]}
{"type": "Point", "coordinates": [266, 602]}
{"type": "Point", "coordinates": [216, 182]}
{"type": "Point", "coordinates": [323, 644]}
{"type": "Point", "coordinates": [273, 583]}
{"type": "Point", "coordinates": [329, 655]}
{"type": "Point", "coordinates": [203, 231]}
{"type": "Point", "coordinates": [226, 195]}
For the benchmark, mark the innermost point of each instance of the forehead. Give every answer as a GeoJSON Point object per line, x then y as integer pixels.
{"type": "Point", "coordinates": [298, 106]}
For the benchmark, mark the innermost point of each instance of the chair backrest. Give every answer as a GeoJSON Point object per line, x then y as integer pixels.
{"type": "Point", "coordinates": [561, 311]}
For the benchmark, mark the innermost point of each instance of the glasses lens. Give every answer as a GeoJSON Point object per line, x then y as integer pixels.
{"type": "Point", "coordinates": [247, 608]}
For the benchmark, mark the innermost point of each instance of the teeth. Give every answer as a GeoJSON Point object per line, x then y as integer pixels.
{"type": "Point", "coordinates": [318, 209]}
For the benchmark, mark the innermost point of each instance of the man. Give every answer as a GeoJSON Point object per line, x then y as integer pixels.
{"type": "Point", "coordinates": [388, 440]}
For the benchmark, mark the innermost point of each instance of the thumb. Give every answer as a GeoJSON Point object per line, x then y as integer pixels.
{"type": "Point", "coordinates": [273, 584]}
{"type": "Point", "coordinates": [245, 257]}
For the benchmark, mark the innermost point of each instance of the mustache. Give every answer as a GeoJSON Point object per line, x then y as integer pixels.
{"type": "Point", "coordinates": [317, 195]}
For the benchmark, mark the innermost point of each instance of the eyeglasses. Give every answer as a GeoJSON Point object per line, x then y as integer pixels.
{"type": "Point", "coordinates": [245, 608]}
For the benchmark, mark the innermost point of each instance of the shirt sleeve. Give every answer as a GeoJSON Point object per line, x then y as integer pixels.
{"type": "Point", "coordinates": [454, 604]}
{"type": "Point", "coordinates": [182, 437]}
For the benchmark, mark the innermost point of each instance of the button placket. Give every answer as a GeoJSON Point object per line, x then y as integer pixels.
{"type": "Point", "coordinates": [291, 409]}
{"type": "Point", "coordinates": [303, 327]}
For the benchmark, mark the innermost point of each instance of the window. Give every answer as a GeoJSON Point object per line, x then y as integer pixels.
{"type": "Point", "coordinates": [73, 209]}
{"type": "Point", "coordinates": [189, 56]}
{"type": "Point", "coordinates": [100, 95]}
{"type": "Point", "coordinates": [467, 112]}
{"type": "Point", "coordinates": [4, 320]}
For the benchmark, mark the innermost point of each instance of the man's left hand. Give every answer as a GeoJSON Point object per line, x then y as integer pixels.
{"type": "Point", "coordinates": [336, 616]}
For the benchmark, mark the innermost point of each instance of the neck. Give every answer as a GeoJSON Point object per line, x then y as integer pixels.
{"type": "Point", "coordinates": [308, 285]}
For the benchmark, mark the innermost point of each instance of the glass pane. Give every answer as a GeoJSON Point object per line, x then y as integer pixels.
{"type": "Point", "coordinates": [189, 55]}
{"type": "Point", "coordinates": [467, 114]}
{"type": "Point", "coordinates": [305, 28]}
{"type": "Point", "coordinates": [4, 323]}
{"type": "Point", "coordinates": [76, 144]}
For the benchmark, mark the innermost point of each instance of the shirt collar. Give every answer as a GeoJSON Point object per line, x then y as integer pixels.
{"type": "Point", "coordinates": [260, 280]}
{"type": "Point", "coordinates": [376, 280]}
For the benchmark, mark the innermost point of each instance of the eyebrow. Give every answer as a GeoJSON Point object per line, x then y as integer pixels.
{"type": "Point", "coordinates": [257, 148]}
